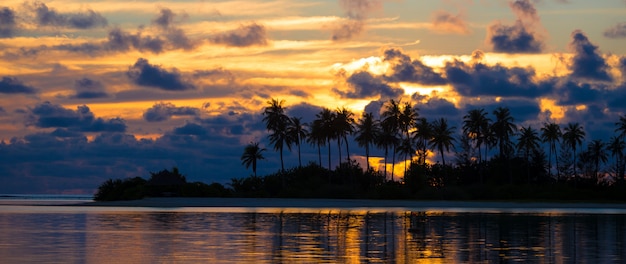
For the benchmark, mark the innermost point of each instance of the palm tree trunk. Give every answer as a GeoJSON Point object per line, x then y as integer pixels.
{"type": "Point", "coordinates": [339, 148]}
{"type": "Point", "coordinates": [347, 148]}
{"type": "Point", "coordinates": [386, 154]}
{"type": "Point", "coordinates": [319, 154]}
{"type": "Point", "coordinates": [282, 165]}
{"type": "Point", "coordinates": [367, 156]}
{"type": "Point", "coordinates": [299, 153]}
{"type": "Point", "coordinates": [393, 161]}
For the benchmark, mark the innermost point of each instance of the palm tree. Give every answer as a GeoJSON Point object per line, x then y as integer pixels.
{"type": "Point", "coordinates": [551, 134]}
{"type": "Point", "coordinates": [343, 126]}
{"type": "Point", "coordinates": [388, 137]}
{"type": "Point", "coordinates": [528, 142]}
{"type": "Point", "coordinates": [597, 149]}
{"type": "Point", "coordinates": [251, 154]}
{"type": "Point", "coordinates": [317, 137]}
{"type": "Point", "coordinates": [621, 126]}
{"type": "Point", "coordinates": [406, 148]}
{"type": "Point", "coordinates": [367, 130]}
{"type": "Point", "coordinates": [503, 129]}
{"type": "Point", "coordinates": [474, 125]}
{"type": "Point", "coordinates": [391, 124]}
{"type": "Point", "coordinates": [616, 147]}
{"type": "Point", "coordinates": [326, 119]}
{"type": "Point", "coordinates": [422, 135]}
{"type": "Point", "coordinates": [407, 119]}
{"type": "Point", "coordinates": [297, 132]}
{"type": "Point", "coordinates": [442, 137]}
{"type": "Point", "coordinates": [276, 122]}
{"type": "Point", "coordinates": [573, 136]}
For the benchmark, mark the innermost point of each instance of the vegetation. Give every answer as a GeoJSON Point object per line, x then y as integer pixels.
{"type": "Point", "coordinates": [494, 160]}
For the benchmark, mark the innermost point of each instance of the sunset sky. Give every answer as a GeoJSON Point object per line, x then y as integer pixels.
{"type": "Point", "coordinates": [91, 90]}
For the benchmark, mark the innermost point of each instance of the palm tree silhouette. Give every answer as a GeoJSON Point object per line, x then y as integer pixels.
{"type": "Point", "coordinates": [296, 131]}
{"type": "Point", "coordinates": [528, 141]}
{"type": "Point", "coordinates": [597, 149]}
{"type": "Point", "coordinates": [616, 147]}
{"type": "Point", "coordinates": [406, 148]}
{"type": "Point", "coordinates": [276, 122]}
{"type": "Point", "coordinates": [251, 154]}
{"type": "Point", "coordinates": [367, 130]}
{"type": "Point", "coordinates": [317, 137]}
{"type": "Point", "coordinates": [621, 126]}
{"type": "Point", "coordinates": [474, 125]}
{"type": "Point", "coordinates": [442, 137]}
{"type": "Point", "coordinates": [343, 126]}
{"type": "Point", "coordinates": [503, 128]}
{"type": "Point", "coordinates": [388, 137]}
{"type": "Point", "coordinates": [325, 120]}
{"type": "Point", "coordinates": [391, 124]}
{"type": "Point", "coordinates": [573, 136]}
{"type": "Point", "coordinates": [551, 134]}
{"type": "Point", "coordinates": [422, 135]}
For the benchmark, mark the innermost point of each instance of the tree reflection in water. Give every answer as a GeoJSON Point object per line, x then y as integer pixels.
{"type": "Point", "coordinates": [328, 236]}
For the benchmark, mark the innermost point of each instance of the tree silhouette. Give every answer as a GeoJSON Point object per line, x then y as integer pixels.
{"type": "Point", "coordinates": [528, 142]}
{"type": "Point", "coordinates": [296, 131]}
{"type": "Point", "coordinates": [317, 137]}
{"type": "Point", "coordinates": [343, 126]}
{"type": "Point", "coordinates": [367, 130]}
{"type": "Point", "coordinates": [442, 139]}
{"type": "Point", "coordinates": [326, 118]}
{"type": "Point", "coordinates": [422, 136]}
{"type": "Point", "coordinates": [551, 134]}
{"type": "Point", "coordinates": [276, 122]}
{"type": "Point", "coordinates": [251, 154]}
{"type": "Point", "coordinates": [621, 126]}
{"type": "Point", "coordinates": [406, 148]}
{"type": "Point", "coordinates": [503, 129]}
{"type": "Point", "coordinates": [474, 125]}
{"type": "Point", "coordinates": [616, 147]}
{"type": "Point", "coordinates": [597, 149]}
{"type": "Point", "coordinates": [391, 125]}
{"type": "Point", "coordinates": [387, 138]}
{"type": "Point", "coordinates": [573, 136]}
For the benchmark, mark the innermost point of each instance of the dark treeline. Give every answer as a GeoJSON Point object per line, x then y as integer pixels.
{"type": "Point", "coordinates": [492, 159]}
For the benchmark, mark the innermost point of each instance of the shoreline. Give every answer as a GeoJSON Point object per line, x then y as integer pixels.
{"type": "Point", "coordinates": [361, 204]}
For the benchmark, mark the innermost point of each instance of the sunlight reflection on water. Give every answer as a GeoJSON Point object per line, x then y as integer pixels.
{"type": "Point", "coordinates": [271, 235]}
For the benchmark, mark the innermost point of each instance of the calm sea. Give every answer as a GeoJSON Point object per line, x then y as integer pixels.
{"type": "Point", "coordinates": [31, 230]}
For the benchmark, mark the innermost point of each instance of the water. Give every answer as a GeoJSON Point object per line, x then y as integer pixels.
{"type": "Point", "coordinates": [87, 234]}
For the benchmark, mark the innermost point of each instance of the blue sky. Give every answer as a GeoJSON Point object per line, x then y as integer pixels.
{"type": "Point", "coordinates": [91, 90]}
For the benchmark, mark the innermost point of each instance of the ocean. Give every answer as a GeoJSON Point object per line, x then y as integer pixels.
{"type": "Point", "coordinates": [54, 229]}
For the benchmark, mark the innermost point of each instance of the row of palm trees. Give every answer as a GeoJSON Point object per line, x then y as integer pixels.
{"type": "Point", "coordinates": [401, 131]}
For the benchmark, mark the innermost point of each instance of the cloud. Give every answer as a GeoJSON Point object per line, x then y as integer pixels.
{"type": "Point", "coordinates": [405, 70]}
{"type": "Point", "coordinates": [49, 17]}
{"type": "Point", "coordinates": [11, 85]}
{"type": "Point", "coordinates": [164, 111]}
{"type": "Point", "coordinates": [616, 31]}
{"type": "Point", "coordinates": [175, 36]}
{"type": "Point", "coordinates": [8, 25]}
{"type": "Point", "coordinates": [445, 22]}
{"type": "Point", "coordinates": [357, 12]}
{"type": "Point", "coordinates": [364, 84]}
{"type": "Point", "coordinates": [484, 80]}
{"type": "Point", "coordinates": [587, 62]}
{"type": "Point", "coordinates": [88, 89]}
{"type": "Point", "coordinates": [244, 36]}
{"type": "Point", "coordinates": [48, 115]}
{"type": "Point", "coordinates": [438, 107]}
{"type": "Point", "coordinates": [573, 93]}
{"type": "Point", "coordinates": [145, 74]}
{"type": "Point", "coordinates": [519, 37]}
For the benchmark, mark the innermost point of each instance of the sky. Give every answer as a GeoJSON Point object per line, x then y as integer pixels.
{"type": "Point", "coordinates": [92, 90]}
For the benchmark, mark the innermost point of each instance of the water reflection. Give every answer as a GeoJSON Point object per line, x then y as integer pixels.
{"type": "Point", "coordinates": [326, 236]}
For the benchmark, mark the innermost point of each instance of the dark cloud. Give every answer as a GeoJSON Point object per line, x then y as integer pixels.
{"type": "Point", "coordinates": [8, 25]}
{"type": "Point", "coordinates": [215, 75]}
{"type": "Point", "coordinates": [616, 31]}
{"type": "Point", "coordinates": [164, 111]}
{"type": "Point", "coordinates": [244, 36]}
{"type": "Point", "coordinates": [364, 84]}
{"type": "Point", "coordinates": [438, 107]}
{"type": "Point", "coordinates": [587, 62]}
{"type": "Point", "coordinates": [192, 129]}
{"type": "Point", "coordinates": [405, 70]}
{"type": "Point", "coordinates": [622, 67]}
{"type": "Point", "coordinates": [145, 74]}
{"type": "Point", "coordinates": [305, 111]}
{"type": "Point", "coordinates": [176, 37]}
{"type": "Point", "coordinates": [573, 93]}
{"type": "Point", "coordinates": [357, 12]}
{"type": "Point", "coordinates": [165, 18]}
{"type": "Point", "coordinates": [11, 85]}
{"type": "Point", "coordinates": [50, 17]}
{"type": "Point", "coordinates": [445, 22]}
{"type": "Point", "coordinates": [480, 79]}
{"type": "Point", "coordinates": [117, 40]}
{"type": "Point", "coordinates": [48, 115]}
{"type": "Point", "coordinates": [521, 37]}
{"type": "Point", "coordinates": [89, 89]}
